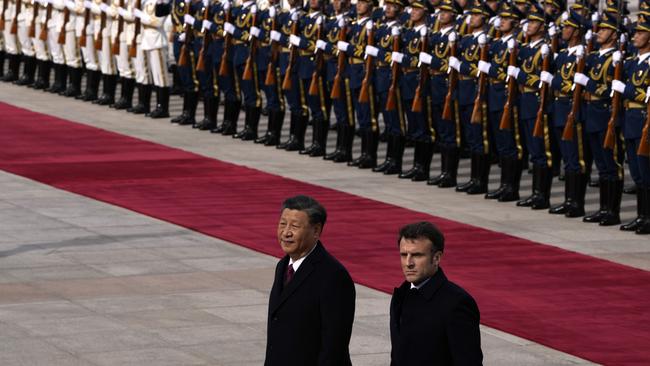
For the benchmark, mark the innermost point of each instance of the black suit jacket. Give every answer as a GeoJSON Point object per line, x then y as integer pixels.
{"type": "Point", "coordinates": [310, 321]}
{"type": "Point", "coordinates": [435, 325]}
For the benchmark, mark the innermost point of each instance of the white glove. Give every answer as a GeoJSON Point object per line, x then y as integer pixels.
{"type": "Point", "coordinates": [341, 22]}
{"type": "Point", "coordinates": [70, 5]}
{"type": "Point", "coordinates": [617, 56]}
{"type": "Point", "coordinates": [103, 7]}
{"type": "Point", "coordinates": [497, 22]}
{"type": "Point", "coordinates": [369, 26]}
{"type": "Point", "coordinates": [454, 63]}
{"type": "Point", "coordinates": [294, 16]}
{"type": "Point", "coordinates": [565, 16]}
{"type": "Point", "coordinates": [524, 28]}
{"type": "Point", "coordinates": [484, 67]}
{"type": "Point", "coordinates": [188, 19]}
{"type": "Point", "coordinates": [137, 13]}
{"type": "Point", "coordinates": [580, 51]}
{"type": "Point", "coordinates": [394, 31]}
{"type": "Point", "coordinates": [88, 5]}
{"type": "Point", "coordinates": [255, 32]}
{"type": "Point", "coordinates": [181, 37]}
{"type": "Point", "coordinates": [647, 95]}
{"type": "Point", "coordinates": [121, 12]}
{"type": "Point", "coordinates": [552, 30]}
{"type": "Point", "coordinates": [482, 39]}
{"type": "Point", "coordinates": [342, 46]}
{"type": "Point", "coordinates": [618, 85]}
{"type": "Point", "coordinates": [275, 35]}
{"type": "Point", "coordinates": [396, 57]}
{"type": "Point", "coordinates": [272, 11]}
{"type": "Point", "coordinates": [511, 44]}
{"type": "Point", "coordinates": [319, 20]}
{"type": "Point", "coordinates": [623, 38]}
{"type": "Point", "coordinates": [322, 45]}
{"type": "Point", "coordinates": [372, 51]}
{"type": "Point", "coordinates": [253, 9]}
{"type": "Point", "coordinates": [546, 77]}
{"type": "Point", "coordinates": [545, 50]}
{"type": "Point", "coordinates": [229, 28]}
{"type": "Point", "coordinates": [451, 37]}
{"type": "Point", "coordinates": [588, 35]}
{"type": "Point", "coordinates": [423, 32]}
{"type": "Point", "coordinates": [294, 40]}
{"type": "Point", "coordinates": [226, 5]}
{"type": "Point", "coordinates": [580, 78]}
{"type": "Point", "coordinates": [425, 58]}
{"type": "Point", "coordinates": [595, 17]}
{"type": "Point", "coordinates": [207, 24]}
{"type": "Point", "coordinates": [513, 71]}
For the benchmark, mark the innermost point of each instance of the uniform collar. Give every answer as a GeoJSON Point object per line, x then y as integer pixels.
{"type": "Point", "coordinates": [391, 23]}
{"type": "Point", "coordinates": [535, 43]}
{"type": "Point", "coordinates": [572, 50]}
{"type": "Point", "coordinates": [247, 4]}
{"type": "Point", "coordinates": [314, 14]}
{"type": "Point", "coordinates": [477, 34]}
{"type": "Point", "coordinates": [507, 38]}
{"type": "Point", "coordinates": [605, 51]}
{"type": "Point", "coordinates": [644, 57]}
{"type": "Point", "coordinates": [418, 27]}
{"type": "Point", "coordinates": [446, 29]}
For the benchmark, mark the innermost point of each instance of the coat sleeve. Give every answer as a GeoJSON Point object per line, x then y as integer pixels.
{"type": "Point", "coordinates": [464, 334]}
{"type": "Point", "coordinates": [337, 315]}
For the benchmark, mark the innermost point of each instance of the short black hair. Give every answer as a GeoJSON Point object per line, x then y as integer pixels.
{"type": "Point", "coordinates": [423, 229]}
{"type": "Point", "coordinates": [314, 210]}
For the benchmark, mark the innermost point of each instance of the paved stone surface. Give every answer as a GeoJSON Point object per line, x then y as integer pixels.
{"type": "Point", "coordinates": [86, 283]}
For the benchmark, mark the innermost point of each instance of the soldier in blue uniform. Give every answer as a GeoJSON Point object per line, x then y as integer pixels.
{"type": "Point", "coordinates": [635, 89]}
{"type": "Point", "coordinates": [476, 134]}
{"type": "Point", "coordinates": [527, 74]}
{"type": "Point", "coordinates": [596, 79]}
{"type": "Point", "coordinates": [507, 141]}
{"type": "Point", "coordinates": [386, 34]}
{"type": "Point", "coordinates": [573, 151]}
{"type": "Point", "coordinates": [447, 131]}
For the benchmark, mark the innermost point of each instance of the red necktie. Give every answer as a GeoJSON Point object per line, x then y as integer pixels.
{"type": "Point", "coordinates": [288, 275]}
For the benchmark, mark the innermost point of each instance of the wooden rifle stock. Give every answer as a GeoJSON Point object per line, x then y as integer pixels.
{"type": "Point", "coordinates": [644, 145]}
{"type": "Point", "coordinates": [133, 50]}
{"type": "Point", "coordinates": [567, 133]}
{"type": "Point", "coordinates": [48, 15]}
{"type": "Point", "coordinates": [102, 26]}
{"type": "Point", "coordinates": [506, 117]}
{"type": "Point", "coordinates": [270, 69]}
{"type": "Point", "coordinates": [477, 111]}
{"type": "Point", "coordinates": [313, 85]}
{"type": "Point", "coordinates": [83, 37]}
{"type": "Point", "coordinates": [5, 5]}
{"type": "Point", "coordinates": [66, 19]}
{"type": "Point", "coordinates": [610, 137]}
{"type": "Point", "coordinates": [538, 130]}
{"type": "Point", "coordinates": [200, 64]}
{"type": "Point", "coordinates": [32, 26]}
{"type": "Point", "coordinates": [120, 28]}
{"type": "Point", "coordinates": [391, 101]}
{"type": "Point", "coordinates": [336, 85]}
{"type": "Point", "coordinates": [286, 83]}
{"type": "Point", "coordinates": [223, 68]}
{"type": "Point", "coordinates": [364, 94]}
{"type": "Point", "coordinates": [184, 58]}
{"type": "Point", "coordinates": [453, 80]}
{"type": "Point", "coordinates": [422, 82]}
{"type": "Point", "coordinates": [14, 22]}
{"type": "Point", "coordinates": [248, 69]}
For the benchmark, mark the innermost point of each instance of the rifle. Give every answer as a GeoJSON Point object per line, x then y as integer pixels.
{"type": "Point", "coordinates": [286, 83]}
{"type": "Point", "coordinates": [66, 19]}
{"type": "Point", "coordinates": [83, 37]}
{"type": "Point", "coordinates": [14, 22]}
{"type": "Point", "coordinates": [506, 117]}
{"type": "Point", "coordinates": [424, 75]}
{"type": "Point", "coordinates": [133, 50]}
{"type": "Point", "coordinates": [567, 134]}
{"type": "Point", "coordinates": [336, 85]}
{"type": "Point", "coordinates": [275, 51]}
{"type": "Point", "coordinates": [200, 64]}
{"type": "Point", "coordinates": [184, 58]}
{"type": "Point", "coordinates": [248, 69]}
{"type": "Point", "coordinates": [120, 29]}
{"type": "Point", "coordinates": [313, 85]}
{"type": "Point", "coordinates": [391, 103]}
{"type": "Point", "coordinates": [48, 15]}
{"type": "Point", "coordinates": [223, 68]}
{"type": "Point", "coordinates": [477, 112]}
{"type": "Point", "coordinates": [5, 5]}
{"type": "Point", "coordinates": [102, 26]}
{"type": "Point", "coordinates": [32, 26]}
{"type": "Point", "coordinates": [616, 99]}
{"type": "Point", "coordinates": [364, 94]}
{"type": "Point", "coordinates": [538, 130]}
{"type": "Point", "coordinates": [453, 81]}
{"type": "Point", "coordinates": [644, 145]}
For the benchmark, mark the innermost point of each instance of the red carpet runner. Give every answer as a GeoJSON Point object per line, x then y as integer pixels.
{"type": "Point", "coordinates": [584, 306]}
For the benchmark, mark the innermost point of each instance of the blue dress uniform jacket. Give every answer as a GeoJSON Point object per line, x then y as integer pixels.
{"type": "Point", "coordinates": [308, 30]}
{"type": "Point", "coordinates": [383, 77]}
{"type": "Point", "coordinates": [637, 80]}
{"type": "Point", "coordinates": [439, 47]}
{"type": "Point", "coordinates": [469, 52]}
{"type": "Point", "coordinates": [600, 70]}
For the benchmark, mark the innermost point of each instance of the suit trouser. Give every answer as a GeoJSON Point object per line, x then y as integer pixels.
{"type": "Point", "coordinates": [572, 151]}
{"type": "Point", "coordinates": [637, 163]}
{"type": "Point", "coordinates": [473, 132]}
{"type": "Point", "coordinates": [142, 72]}
{"type": "Point", "coordinates": [10, 40]}
{"type": "Point", "coordinates": [394, 120]}
{"type": "Point", "coordinates": [70, 48]}
{"type": "Point", "coordinates": [249, 88]}
{"type": "Point", "coordinates": [606, 161]}
{"type": "Point", "coordinates": [186, 74]}
{"type": "Point", "coordinates": [272, 92]}
{"type": "Point", "coordinates": [505, 140]}
{"type": "Point", "coordinates": [123, 61]}
{"type": "Point", "coordinates": [26, 45]}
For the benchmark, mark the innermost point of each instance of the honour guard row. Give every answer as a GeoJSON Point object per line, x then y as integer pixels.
{"type": "Point", "coordinates": [547, 87]}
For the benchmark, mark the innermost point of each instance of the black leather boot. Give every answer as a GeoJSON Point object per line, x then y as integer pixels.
{"type": "Point", "coordinates": [537, 186]}
{"type": "Point", "coordinates": [110, 84]}
{"type": "Point", "coordinates": [252, 123]}
{"type": "Point", "coordinates": [74, 87]}
{"type": "Point", "coordinates": [614, 195]}
{"type": "Point", "coordinates": [207, 106]}
{"type": "Point", "coordinates": [29, 70]}
{"type": "Point", "coordinates": [210, 110]}
{"type": "Point", "coordinates": [2, 63]}
{"type": "Point", "coordinates": [364, 143]}
{"type": "Point", "coordinates": [269, 129]}
{"type": "Point", "coordinates": [513, 168]}
{"type": "Point", "coordinates": [323, 129]}
{"type": "Point", "coordinates": [416, 163]}
{"type": "Point", "coordinates": [162, 103]}
{"type": "Point", "coordinates": [372, 142]}
{"type": "Point", "coordinates": [425, 161]}
{"type": "Point", "coordinates": [230, 121]}
{"type": "Point", "coordinates": [300, 129]}
{"type": "Point", "coordinates": [503, 181]}
{"type": "Point", "coordinates": [542, 199]}
{"type": "Point", "coordinates": [448, 179]}
{"type": "Point", "coordinates": [390, 141]}
{"type": "Point", "coordinates": [14, 68]}
{"type": "Point", "coordinates": [126, 98]}
{"type": "Point", "coordinates": [644, 225]}
{"type": "Point", "coordinates": [579, 190]}
{"type": "Point", "coordinates": [64, 79]}
{"type": "Point", "coordinates": [92, 86]}
{"type": "Point", "coordinates": [184, 114]}
{"type": "Point", "coordinates": [602, 210]}
{"type": "Point", "coordinates": [144, 100]}
{"type": "Point", "coordinates": [434, 181]}
{"type": "Point", "coordinates": [482, 175]}
{"type": "Point", "coordinates": [276, 120]}
{"type": "Point", "coordinates": [399, 143]}
{"type": "Point", "coordinates": [347, 138]}
{"type": "Point", "coordinates": [43, 79]}
{"type": "Point", "coordinates": [314, 139]}
{"type": "Point", "coordinates": [473, 173]}
{"type": "Point", "coordinates": [192, 103]}
{"type": "Point", "coordinates": [563, 207]}
{"type": "Point", "coordinates": [640, 213]}
{"type": "Point", "coordinates": [339, 138]}
{"type": "Point", "coordinates": [58, 73]}
{"type": "Point", "coordinates": [293, 117]}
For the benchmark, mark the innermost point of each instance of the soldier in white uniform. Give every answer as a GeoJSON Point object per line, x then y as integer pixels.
{"type": "Point", "coordinates": [103, 25]}
{"type": "Point", "coordinates": [154, 44]}
{"type": "Point", "coordinates": [10, 41]}
{"type": "Point", "coordinates": [25, 18]}
{"type": "Point", "coordinates": [54, 25]}
{"type": "Point", "coordinates": [140, 65]}
{"type": "Point", "coordinates": [40, 46]}
{"type": "Point", "coordinates": [2, 42]}
{"type": "Point", "coordinates": [120, 40]}
{"type": "Point", "coordinates": [71, 50]}
{"type": "Point", "coordinates": [86, 26]}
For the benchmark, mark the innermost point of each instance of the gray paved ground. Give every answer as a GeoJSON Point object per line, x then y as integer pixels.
{"type": "Point", "coordinates": [86, 283]}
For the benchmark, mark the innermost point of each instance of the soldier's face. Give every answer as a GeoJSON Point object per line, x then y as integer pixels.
{"type": "Point", "coordinates": [296, 235]}
{"type": "Point", "coordinates": [506, 25]}
{"type": "Point", "coordinates": [640, 39]}
{"type": "Point", "coordinates": [292, 3]}
{"type": "Point", "coordinates": [462, 3]}
{"type": "Point", "coordinates": [534, 27]}
{"type": "Point", "coordinates": [493, 4]}
{"type": "Point", "coordinates": [567, 32]}
{"type": "Point", "coordinates": [363, 7]}
{"type": "Point", "coordinates": [391, 11]}
{"type": "Point", "coordinates": [336, 4]}
{"type": "Point", "coordinates": [550, 9]}
{"type": "Point", "coordinates": [417, 14]}
{"type": "Point", "coordinates": [445, 17]}
{"type": "Point", "coordinates": [418, 260]}
{"type": "Point", "coordinates": [604, 35]}
{"type": "Point", "coordinates": [476, 21]}
{"type": "Point", "coordinates": [314, 4]}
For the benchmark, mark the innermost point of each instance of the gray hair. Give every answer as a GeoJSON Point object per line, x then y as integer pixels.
{"type": "Point", "coordinates": [314, 210]}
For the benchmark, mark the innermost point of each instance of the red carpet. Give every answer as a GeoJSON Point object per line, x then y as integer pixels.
{"type": "Point", "coordinates": [584, 306]}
